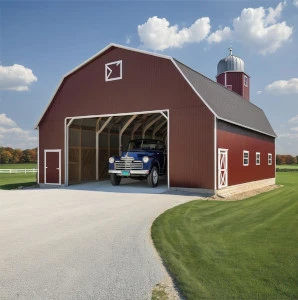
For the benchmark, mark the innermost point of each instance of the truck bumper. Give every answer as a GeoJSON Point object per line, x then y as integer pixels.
{"type": "Point", "coordinates": [132, 172]}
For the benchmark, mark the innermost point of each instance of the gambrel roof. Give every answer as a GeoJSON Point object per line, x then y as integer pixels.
{"type": "Point", "coordinates": [225, 104]}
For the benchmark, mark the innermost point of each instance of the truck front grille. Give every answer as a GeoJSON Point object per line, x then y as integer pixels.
{"type": "Point", "coordinates": [127, 163]}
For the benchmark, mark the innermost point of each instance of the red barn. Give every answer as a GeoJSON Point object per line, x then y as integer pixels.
{"type": "Point", "coordinates": [216, 139]}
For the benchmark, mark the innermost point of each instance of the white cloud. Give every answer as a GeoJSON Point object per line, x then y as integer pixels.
{"type": "Point", "coordinates": [157, 34]}
{"type": "Point", "coordinates": [259, 92]}
{"type": "Point", "coordinates": [16, 77]}
{"type": "Point", "coordinates": [220, 35]}
{"type": "Point", "coordinates": [11, 135]}
{"type": "Point", "coordinates": [283, 87]}
{"type": "Point", "coordinates": [295, 2]}
{"type": "Point", "coordinates": [294, 120]}
{"type": "Point", "coordinates": [294, 128]}
{"type": "Point", "coordinates": [258, 29]}
{"type": "Point", "coordinates": [6, 122]}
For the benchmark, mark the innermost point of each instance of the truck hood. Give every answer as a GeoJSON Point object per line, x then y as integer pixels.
{"type": "Point", "coordinates": [137, 155]}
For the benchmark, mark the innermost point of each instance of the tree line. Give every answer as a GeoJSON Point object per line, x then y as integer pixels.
{"type": "Point", "coordinates": [14, 156]}
{"type": "Point", "coordinates": [286, 159]}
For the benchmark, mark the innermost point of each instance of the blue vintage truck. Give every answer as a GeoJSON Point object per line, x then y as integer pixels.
{"type": "Point", "coordinates": [143, 158]}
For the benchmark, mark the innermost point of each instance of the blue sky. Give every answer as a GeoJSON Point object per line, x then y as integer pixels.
{"type": "Point", "coordinates": [41, 41]}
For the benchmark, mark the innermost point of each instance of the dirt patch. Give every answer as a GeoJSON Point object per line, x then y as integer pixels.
{"type": "Point", "coordinates": [248, 194]}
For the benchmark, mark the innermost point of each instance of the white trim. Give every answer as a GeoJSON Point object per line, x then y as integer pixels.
{"type": "Point", "coordinates": [89, 60]}
{"type": "Point", "coordinates": [270, 159]}
{"type": "Point", "coordinates": [66, 149]}
{"type": "Point", "coordinates": [45, 165]}
{"type": "Point", "coordinates": [247, 127]}
{"type": "Point", "coordinates": [245, 152]}
{"type": "Point", "coordinates": [168, 146]}
{"type": "Point", "coordinates": [219, 151]}
{"type": "Point", "coordinates": [38, 173]}
{"type": "Point", "coordinates": [258, 159]}
{"type": "Point", "coordinates": [215, 153]}
{"type": "Point", "coordinates": [152, 54]}
{"type": "Point", "coordinates": [164, 112]}
{"type": "Point", "coordinates": [107, 68]}
{"type": "Point", "coordinates": [193, 88]}
{"type": "Point", "coordinates": [246, 80]}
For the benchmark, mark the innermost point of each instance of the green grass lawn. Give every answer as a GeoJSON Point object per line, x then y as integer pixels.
{"type": "Point", "coordinates": [12, 181]}
{"type": "Point", "coordinates": [287, 166]}
{"type": "Point", "coordinates": [18, 166]}
{"type": "Point", "coordinates": [234, 250]}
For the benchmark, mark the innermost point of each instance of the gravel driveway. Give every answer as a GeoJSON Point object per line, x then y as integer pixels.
{"type": "Point", "coordinates": [79, 244]}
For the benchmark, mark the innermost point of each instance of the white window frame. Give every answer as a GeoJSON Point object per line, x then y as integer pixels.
{"type": "Point", "coordinates": [245, 79]}
{"type": "Point", "coordinates": [108, 70]}
{"type": "Point", "coordinates": [269, 159]}
{"type": "Point", "coordinates": [244, 158]}
{"type": "Point", "coordinates": [258, 158]}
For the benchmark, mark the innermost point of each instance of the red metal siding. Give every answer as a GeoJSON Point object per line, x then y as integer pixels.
{"type": "Point", "coordinates": [149, 83]}
{"type": "Point", "coordinates": [236, 140]}
{"type": "Point", "coordinates": [221, 79]}
{"type": "Point", "coordinates": [235, 79]}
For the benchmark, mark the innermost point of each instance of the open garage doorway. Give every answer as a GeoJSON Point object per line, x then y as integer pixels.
{"type": "Point", "coordinates": [91, 140]}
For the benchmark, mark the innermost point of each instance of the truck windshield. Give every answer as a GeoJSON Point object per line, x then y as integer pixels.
{"type": "Point", "coordinates": [138, 145]}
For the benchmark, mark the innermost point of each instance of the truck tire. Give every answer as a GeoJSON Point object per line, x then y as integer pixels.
{"type": "Point", "coordinates": [153, 177]}
{"type": "Point", "coordinates": [115, 180]}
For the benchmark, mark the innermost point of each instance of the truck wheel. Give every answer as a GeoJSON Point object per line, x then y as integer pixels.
{"type": "Point", "coordinates": [153, 177]}
{"type": "Point", "coordinates": [115, 180]}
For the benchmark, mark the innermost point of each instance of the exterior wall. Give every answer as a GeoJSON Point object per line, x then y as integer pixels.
{"type": "Point", "coordinates": [236, 80]}
{"type": "Point", "coordinates": [149, 83]}
{"type": "Point", "coordinates": [236, 140]}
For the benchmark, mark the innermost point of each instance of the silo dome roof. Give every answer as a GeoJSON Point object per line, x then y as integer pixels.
{"type": "Point", "coordinates": [230, 63]}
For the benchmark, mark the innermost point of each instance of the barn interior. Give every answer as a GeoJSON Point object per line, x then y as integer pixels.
{"type": "Point", "coordinates": [91, 141]}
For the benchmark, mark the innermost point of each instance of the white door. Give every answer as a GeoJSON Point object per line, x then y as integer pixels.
{"type": "Point", "coordinates": [222, 168]}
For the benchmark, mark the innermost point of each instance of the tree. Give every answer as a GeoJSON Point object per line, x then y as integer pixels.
{"type": "Point", "coordinates": [6, 157]}
{"type": "Point", "coordinates": [17, 154]}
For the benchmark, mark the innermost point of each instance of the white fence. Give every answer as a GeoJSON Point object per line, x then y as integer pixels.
{"type": "Point", "coordinates": [17, 171]}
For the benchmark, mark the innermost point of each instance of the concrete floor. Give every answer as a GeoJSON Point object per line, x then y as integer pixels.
{"type": "Point", "coordinates": [88, 241]}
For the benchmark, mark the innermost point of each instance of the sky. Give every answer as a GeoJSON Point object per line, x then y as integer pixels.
{"type": "Point", "coordinates": [41, 41]}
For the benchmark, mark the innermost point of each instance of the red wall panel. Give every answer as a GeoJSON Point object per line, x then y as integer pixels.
{"type": "Point", "coordinates": [148, 83]}
{"type": "Point", "coordinates": [236, 140]}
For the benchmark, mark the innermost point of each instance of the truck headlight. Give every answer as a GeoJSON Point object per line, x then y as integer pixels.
{"type": "Point", "coordinates": [111, 160]}
{"type": "Point", "coordinates": [145, 159]}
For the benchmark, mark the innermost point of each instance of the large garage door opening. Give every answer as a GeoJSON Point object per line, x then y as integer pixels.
{"type": "Point", "coordinates": [91, 141]}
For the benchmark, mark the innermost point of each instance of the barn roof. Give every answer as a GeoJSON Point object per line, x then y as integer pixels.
{"type": "Point", "coordinates": [223, 103]}
{"type": "Point", "coordinates": [226, 104]}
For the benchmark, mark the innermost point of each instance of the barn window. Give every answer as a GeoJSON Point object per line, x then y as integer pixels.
{"type": "Point", "coordinates": [269, 159]}
{"type": "Point", "coordinates": [245, 158]}
{"type": "Point", "coordinates": [113, 70]}
{"type": "Point", "coordinates": [245, 80]}
{"type": "Point", "coordinates": [258, 158]}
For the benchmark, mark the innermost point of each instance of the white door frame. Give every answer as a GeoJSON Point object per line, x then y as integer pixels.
{"type": "Point", "coordinates": [45, 165]}
{"type": "Point", "coordinates": [68, 121]}
{"type": "Point", "coordinates": [222, 180]}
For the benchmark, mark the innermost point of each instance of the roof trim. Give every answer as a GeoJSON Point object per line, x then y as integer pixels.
{"type": "Point", "coordinates": [247, 127]}
{"type": "Point", "coordinates": [193, 88]}
{"type": "Point", "coordinates": [152, 54]}
{"type": "Point", "coordinates": [90, 59]}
